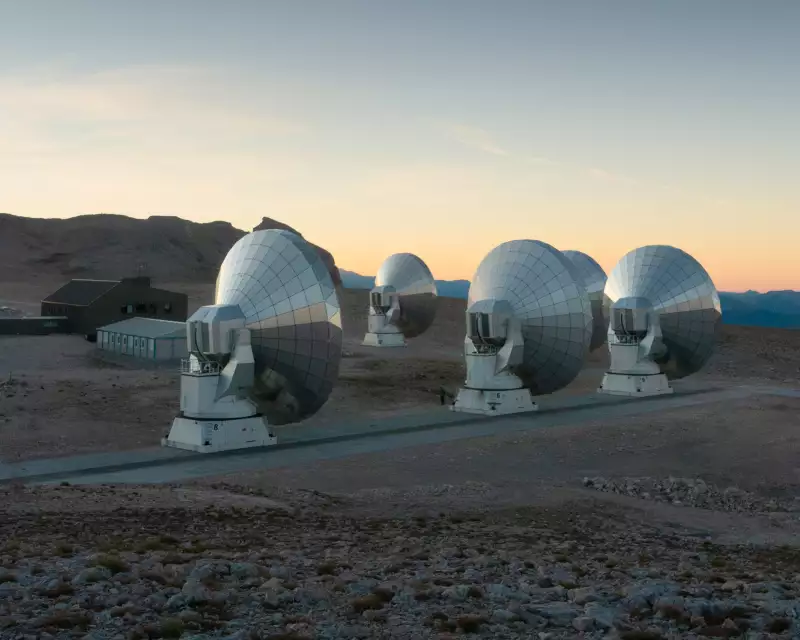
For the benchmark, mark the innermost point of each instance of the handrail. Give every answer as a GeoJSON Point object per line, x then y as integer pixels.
{"type": "Point", "coordinates": [198, 368]}
{"type": "Point", "coordinates": [626, 339]}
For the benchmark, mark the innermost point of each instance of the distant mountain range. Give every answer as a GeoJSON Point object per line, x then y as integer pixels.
{"type": "Point", "coordinates": [166, 248]}
{"type": "Point", "coordinates": [772, 309]}
{"type": "Point", "coordinates": [780, 309]}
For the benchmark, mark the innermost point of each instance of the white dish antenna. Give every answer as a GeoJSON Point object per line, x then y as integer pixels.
{"type": "Point", "coordinates": [266, 352]}
{"type": "Point", "coordinates": [664, 313]}
{"type": "Point", "coordinates": [529, 327]}
{"type": "Point", "coordinates": [403, 302]}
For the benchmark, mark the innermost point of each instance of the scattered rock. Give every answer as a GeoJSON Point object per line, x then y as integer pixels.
{"type": "Point", "coordinates": [92, 575]}
{"type": "Point", "coordinates": [583, 623]}
{"type": "Point", "coordinates": [692, 492]}
{"type": "Point", "coordinates": [459, 592]}
{"type": "Point", "coordinates": [196, 593]}
{"type": "Point", "coordinates": [523, 577]}
{"type": "Point", "coordinates": [244, 570]}
{"type": "Point", "coordinates": [503, 616]}
{"type": "Point", "coordinates": [582, 595]}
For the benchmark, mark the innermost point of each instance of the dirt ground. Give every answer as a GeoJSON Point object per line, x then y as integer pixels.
{"type": "Point", "coordinates": [753, 444]}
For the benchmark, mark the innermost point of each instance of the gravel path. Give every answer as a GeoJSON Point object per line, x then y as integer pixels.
{"type": "Point", "coordinates": [753, 444]}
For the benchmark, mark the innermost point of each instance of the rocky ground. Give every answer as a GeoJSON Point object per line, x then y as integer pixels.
{"type": "Point", "coordinates": [695, 492]}
{"type": "Point", "coordinates": [168, 563]}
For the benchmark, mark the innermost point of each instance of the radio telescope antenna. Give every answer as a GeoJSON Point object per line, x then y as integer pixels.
{"type": "Point", "coordinates": [403, 302]}
{"type": "Point", "coordinates": [266, 352]}
{"type": "Point", "coordinates": [594, 278]}
{"type": "Point", "coordinates": [529, 326]}
{"type": "Point", "coordinates": [664, 313]}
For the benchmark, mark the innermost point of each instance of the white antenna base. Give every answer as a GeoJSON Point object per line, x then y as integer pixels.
{"type": "Point", "coordinates": [492, 402]}
{"type": "Point", "coordinates": [205, 436]}
{"type": "Point", "coordinates": [211, 422]}
{"type": "Point", "coordinates": [490, 388]}
{"type": "Point", "coordinates": [384, 340]}
{"type": "Point", "coordinates": [632, 373]}
{"type": "Point", "coordinates": [635, 385]}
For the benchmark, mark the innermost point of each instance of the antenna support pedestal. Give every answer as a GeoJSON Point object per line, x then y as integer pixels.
{"type": "Point", "coordinates": [384, 314]}
{"type": "Point", "coordinates": [635, 345]}
{"type": "Point", "coordinates": [492, 347]}
{"type": "Point", "coordinates": [620, 384]}
{"type": "Point", "coordinates": [216, 412]}
{"type": "Point", "coordinates": [384, 340]}
{"type": "Point", "coordinates": [209, 423]}
{"type": "Point", "coordinates": [489, 402]}
{"type": "Point", "coordinates": [206, 436]}
{"type": "Point", "coordinates": [631, 374]}
{"type": "Point", "coordinates": [491, 392]}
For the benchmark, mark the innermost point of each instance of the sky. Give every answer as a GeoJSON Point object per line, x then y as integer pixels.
{"type": "Point", "coordinates": [437, 127]}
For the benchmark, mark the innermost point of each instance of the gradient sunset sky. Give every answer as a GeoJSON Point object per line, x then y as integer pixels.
{"type": "Point", "coordinates": [439, 127]}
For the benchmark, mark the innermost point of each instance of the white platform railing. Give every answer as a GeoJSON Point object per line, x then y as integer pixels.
{"type": "Point", "coordinates": [200, 368]}
{"type": "Point", "coordinates": [626, 339]}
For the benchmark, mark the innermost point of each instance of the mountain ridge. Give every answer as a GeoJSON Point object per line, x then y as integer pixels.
{"type": "Point", "coordinates": [171, 249]}
{"type": "Point", "coordinates": [112, 246]}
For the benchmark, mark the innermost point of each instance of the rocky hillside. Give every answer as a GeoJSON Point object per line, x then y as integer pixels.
{"type": "Point", "coordinates": [113, 246]}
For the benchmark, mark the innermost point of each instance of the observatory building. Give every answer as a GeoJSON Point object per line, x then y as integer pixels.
{"type": "Point", "coordinates": [89, 304]}
{"type": "Point", "coordinates": [664, 313]}
{"type": "Point", "coordinates": [147, 338]}
{"type": "Point", "coordinates": [529, 327]}
{"type": "Point", "coordinates": [267, 351]}
{"type": "Point", "coordinates": [403, 302]}
{"type": "Point", "coordinates": [594, 279]}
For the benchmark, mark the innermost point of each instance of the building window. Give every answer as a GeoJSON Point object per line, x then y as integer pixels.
{"type": "Point", "coordinates": [167, 307]}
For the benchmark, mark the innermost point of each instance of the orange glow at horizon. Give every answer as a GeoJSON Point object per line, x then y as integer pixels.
{"type": "Point", "coordinates": [762, 271]}
{"type": "Point", "coordinates": [727, 275]}
{"type": "Point", "coordinates": [766, 268]}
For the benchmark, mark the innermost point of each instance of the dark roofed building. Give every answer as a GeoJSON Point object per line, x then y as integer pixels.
{"type": "Point", "coordinates": [89, 304]}
{"type": "Point", "coordinates": [81, 292]}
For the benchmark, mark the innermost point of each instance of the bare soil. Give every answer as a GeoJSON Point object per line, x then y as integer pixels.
{"type": "Point", "coordinates": [753, 444]}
